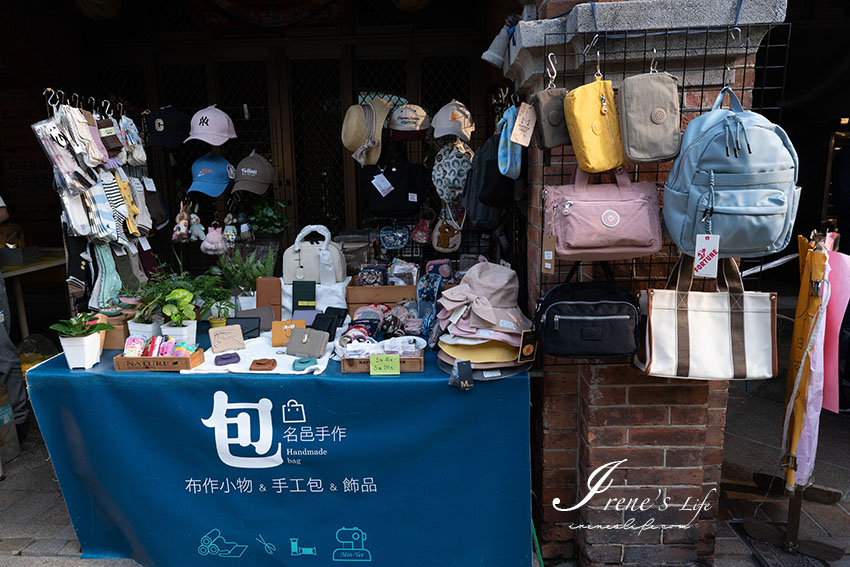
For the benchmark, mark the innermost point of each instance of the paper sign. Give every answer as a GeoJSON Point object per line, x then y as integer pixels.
{"type": "Point", "coordinates": [382, 184]}
{"type": "Point", "coordinates": [384, 365]}
{"type": "Point", "coordinates": [549, 242]}
{"type": "Point", "coordinates": [413, 197]}
{"type": "Point", "coordinates": [524, 125]}
{"type": "Point", "coordinates": [706, 255]}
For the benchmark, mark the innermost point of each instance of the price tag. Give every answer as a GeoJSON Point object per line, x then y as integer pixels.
{"type": "Point", "coordinates": [706, 255]}
{"type": "Point", "coordinates": [461, 377]}
{"type": "Point", "coordinates": [413, 197]}
{"type": "Point", "coordinates": [549, 242]}
{"type": "Point", "coordinates": [385, 365]}
{"type": "Point", "coordinates": [382, 184]}
{"type": "Point", "coordinates": [528, 347]}
{"type": "Point", "coordinates": [524, 125]}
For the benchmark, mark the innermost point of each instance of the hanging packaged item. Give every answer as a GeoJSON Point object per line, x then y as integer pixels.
{"type": "Point", "coordinates": [447, 233]}
{"type": "Point", "coordinates": [510, 153]}
{"type": "Point", "coordinates": [649, 117]}
{"type": "Point", "coordinates": [422, 231]}
{"type": "Point", "coordinates": [588, 319]}
{"type": "Point", "coordinates": [549, 104]}
{"type": "Point", "coordinates": [735, 177]}
{"type": "Point", "coordinates": [394, 190]}
{"type": "Point", "coordinates": [723, 335]}
{"type": "Point", "coordinates": [320, 262]}
{"type": "Point", "coordinates": [452, 165]}
{"type": "Point", "coordinates": [603, 222]}
{"type": "Point", "coordinates": [594, 127]}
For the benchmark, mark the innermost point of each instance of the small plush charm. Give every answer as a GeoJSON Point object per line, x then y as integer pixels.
{"type": "Point", "coordinates": [230, 232]}
{"type": "Point", "coordinates": [181, 227]}
{"type": "Point", "coordinates": [196, 229]}
{"type": "Point", "coordinates": [244, 228]}
{"type": "Point", "coordinates": [214, 243]}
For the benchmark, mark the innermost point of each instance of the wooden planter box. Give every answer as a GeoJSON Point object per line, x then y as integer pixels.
{"type": "Point", "coordinates": [361, 365]}
{"type": "Point", "coordinates": [159, 363]}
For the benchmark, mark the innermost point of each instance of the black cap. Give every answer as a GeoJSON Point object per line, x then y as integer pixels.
{"type": "Point", "coordinates": [167, 127]}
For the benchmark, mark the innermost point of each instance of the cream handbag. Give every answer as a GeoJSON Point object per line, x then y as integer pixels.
{"type": "Point", "coordinates": [723, 335]}
{"type": "Point", "coordinates": [322, 263]}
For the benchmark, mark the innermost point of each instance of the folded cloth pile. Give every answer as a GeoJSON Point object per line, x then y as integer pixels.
{"type": "Point", "coordinates": [481, 319]}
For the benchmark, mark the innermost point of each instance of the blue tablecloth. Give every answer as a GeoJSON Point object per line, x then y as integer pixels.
{"type": "Point", "coordinates": [177, 470]}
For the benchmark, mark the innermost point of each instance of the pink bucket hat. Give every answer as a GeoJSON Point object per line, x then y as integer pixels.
{"type": "Point", "coordinates": [490, 291]}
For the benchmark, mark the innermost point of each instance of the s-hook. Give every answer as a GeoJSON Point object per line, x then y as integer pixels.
{"type": "Point", "coordinates": [551, 71]}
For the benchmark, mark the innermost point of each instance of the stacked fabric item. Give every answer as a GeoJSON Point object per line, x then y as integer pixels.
{"type": "Point", "coordinates": [482, 322]}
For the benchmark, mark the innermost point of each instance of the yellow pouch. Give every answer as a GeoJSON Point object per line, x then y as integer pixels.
{"type": "Point", "coordinates": [593, 126]}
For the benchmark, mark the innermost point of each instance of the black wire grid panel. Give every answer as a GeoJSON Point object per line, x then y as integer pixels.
{"type": "Point", "coordinates": [750, 59]}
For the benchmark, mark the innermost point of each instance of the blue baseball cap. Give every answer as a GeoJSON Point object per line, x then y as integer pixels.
{"type": "Point", "coordinates": [211, 174]}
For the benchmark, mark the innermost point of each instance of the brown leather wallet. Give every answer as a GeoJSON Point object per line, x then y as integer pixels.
{"type": "Point", "coordinates": [269, 295]}
{"type": "Point", "coordinates": [263, 365]}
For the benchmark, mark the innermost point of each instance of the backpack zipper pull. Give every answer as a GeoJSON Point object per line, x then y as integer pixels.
{"type": "Point", "coordinates": [567, 206]}
{"type": "Point", "coordinates": [604, 108]}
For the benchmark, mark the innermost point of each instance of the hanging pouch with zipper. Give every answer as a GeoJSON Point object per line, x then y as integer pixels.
{"type": "Point", "coordinates": [593, 126]}
{"type": "Point", "coordinates": [603, 222]}
{"type": "Point", "coordinates": [588, 319]}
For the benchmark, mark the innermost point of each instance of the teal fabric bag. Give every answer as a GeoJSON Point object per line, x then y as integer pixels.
{"type": "Point", "coordinates": [510, 154]}
{"type": "Point", "coordinates": [736, 176]}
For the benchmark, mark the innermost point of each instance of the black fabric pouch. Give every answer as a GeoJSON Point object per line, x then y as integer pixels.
{"type": "Point", "coordinates": [408, 181]}
{"type": "Point", "coordinates": [588, 319]}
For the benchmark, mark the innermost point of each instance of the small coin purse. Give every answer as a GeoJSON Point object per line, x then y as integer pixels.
{"type": "Point", "coordinates": [394, 237]}
{"type": "Point", "coordinates": [263, 365]}
{"type": "Point", "coordinates": [307, 343]}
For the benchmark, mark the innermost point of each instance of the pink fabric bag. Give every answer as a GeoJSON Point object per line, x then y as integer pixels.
{"type": "Point", "coordinates": [603, 222]}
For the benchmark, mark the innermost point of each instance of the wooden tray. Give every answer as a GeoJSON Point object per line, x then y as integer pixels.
{"type": "Point", "coordinates": [357, 296]}
{"type": "Point", "coordinates": [361, 365]}
{"type": "Point", "coordinates": [160, 363]}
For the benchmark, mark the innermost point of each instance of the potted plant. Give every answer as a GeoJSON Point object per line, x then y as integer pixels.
{"type": "Point", "coordinates": [240, 272]}
{"type": "Point", "coordinates": [179, 308]}
{"type": "Point", "coordinates": [222, 309]}
{"type": "Point", "coordinates": [268, 220]}
{"type": "Point", "coordinates": [147, 323]}
{"type": "Point", "coordinates": [80, 339]}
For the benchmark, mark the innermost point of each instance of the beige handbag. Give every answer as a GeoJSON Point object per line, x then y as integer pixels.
{"type": "Point", "coordinates": [649, 117]}
{"type": "Point", "coordinates": [322, 263]}
{"type": "Point", "coordinates": [723, 335]}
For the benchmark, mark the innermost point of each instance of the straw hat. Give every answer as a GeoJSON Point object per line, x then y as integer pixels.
{"type": "Point", "coordinates": [355, 131]}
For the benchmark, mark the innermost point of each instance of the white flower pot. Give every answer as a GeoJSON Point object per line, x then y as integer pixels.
{"type": "Point", "coordinates": [81, 352]}
{"type": "Point", "coordinates": [146, 330]}
{"type": "Point", "coordinates": [244, 302]}
{"type": "Point", "coordinates": [187, 333]}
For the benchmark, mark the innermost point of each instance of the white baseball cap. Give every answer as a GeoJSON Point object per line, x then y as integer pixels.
{"type": "Point", "coordinates": [212, 126]}
{"type": "Point", "coordinates": [453, 119]}
{"type": "Point", "coordinates": [409, 122]}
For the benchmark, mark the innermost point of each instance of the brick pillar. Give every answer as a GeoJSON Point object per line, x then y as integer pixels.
{"type": "Point", "coordinates": [670, 432]}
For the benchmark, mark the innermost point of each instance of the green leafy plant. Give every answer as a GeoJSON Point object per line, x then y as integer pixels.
{"type": "Point", "coordinates": [82, 325]}
{"type": "Point", "coordinates": [270, 218]}
{"type": "Point", "coordinates": [223, 308]}
{"type": "Point", "coordinates": [240, 273]}
{"type": "Point", "coordinates": [209, 289]}
{"type": "Point", "coordinates": [178, 306]}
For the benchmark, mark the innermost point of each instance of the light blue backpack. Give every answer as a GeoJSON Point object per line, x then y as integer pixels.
{"type": "Point", "coordinates": [736, 176]}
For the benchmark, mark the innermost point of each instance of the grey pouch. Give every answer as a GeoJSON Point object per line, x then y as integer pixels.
{"type": "Point", "coordinates": [649, 117]}
{"type": "Point", "coordinates": [551, 125]}
{"type": "Point", "coordinates": [307, 342]}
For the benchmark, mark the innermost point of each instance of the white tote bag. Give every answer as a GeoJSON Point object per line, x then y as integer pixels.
{"type": "Point", "coordinates": [305, 261]}
{"type": "Point", "coordinates": [723, 335]}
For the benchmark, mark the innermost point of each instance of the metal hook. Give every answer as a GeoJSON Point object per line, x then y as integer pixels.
{"type": "Point", "coordinates": [591, 44]}
{"type": "Point", "coordinates": [551, 71]}
{"type": "Point", "coordinates": [61, 96]}
{"type": "Point", "coordinates": [653, 65]}
{"type": "Point", "coordinates": [120, 109]}
{"type": "Point", "coordinates": [50, 100]}
{"type": "Point", "coordinates": [598, 71]}
{"type": "Point", "coordinates": [515, 99]}
{"type": "Point", "coordinates": [75, 97]}
{"type": "Point", "coordinates": [106, 108]}
{"type": "Point", "coordinates": [740, 35]}
{"type": "Point", "coordinates": [92, 102]}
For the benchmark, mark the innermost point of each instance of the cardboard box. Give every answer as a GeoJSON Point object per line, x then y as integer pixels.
{"type": "Point", "coordinates": [361, 365]}
{"type": "Point", "coordinates": [158, 363]}
{"type": "Point", "coordinates": [9, 446]}
{"type": "Point", "coordinates": [19, 256]}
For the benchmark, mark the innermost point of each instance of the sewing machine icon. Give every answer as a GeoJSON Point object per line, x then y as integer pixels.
{"type": "Point", "coordinates": [214, 544]}
{"type": "Point", "coordinates": [353, 548]}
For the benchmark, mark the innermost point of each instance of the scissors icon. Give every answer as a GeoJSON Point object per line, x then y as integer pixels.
{"type": "Point", "coordinates": [270, 548]}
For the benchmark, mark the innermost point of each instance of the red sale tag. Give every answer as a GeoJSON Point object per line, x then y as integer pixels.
{"type": "Point", "coordinates": [706, 255]}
